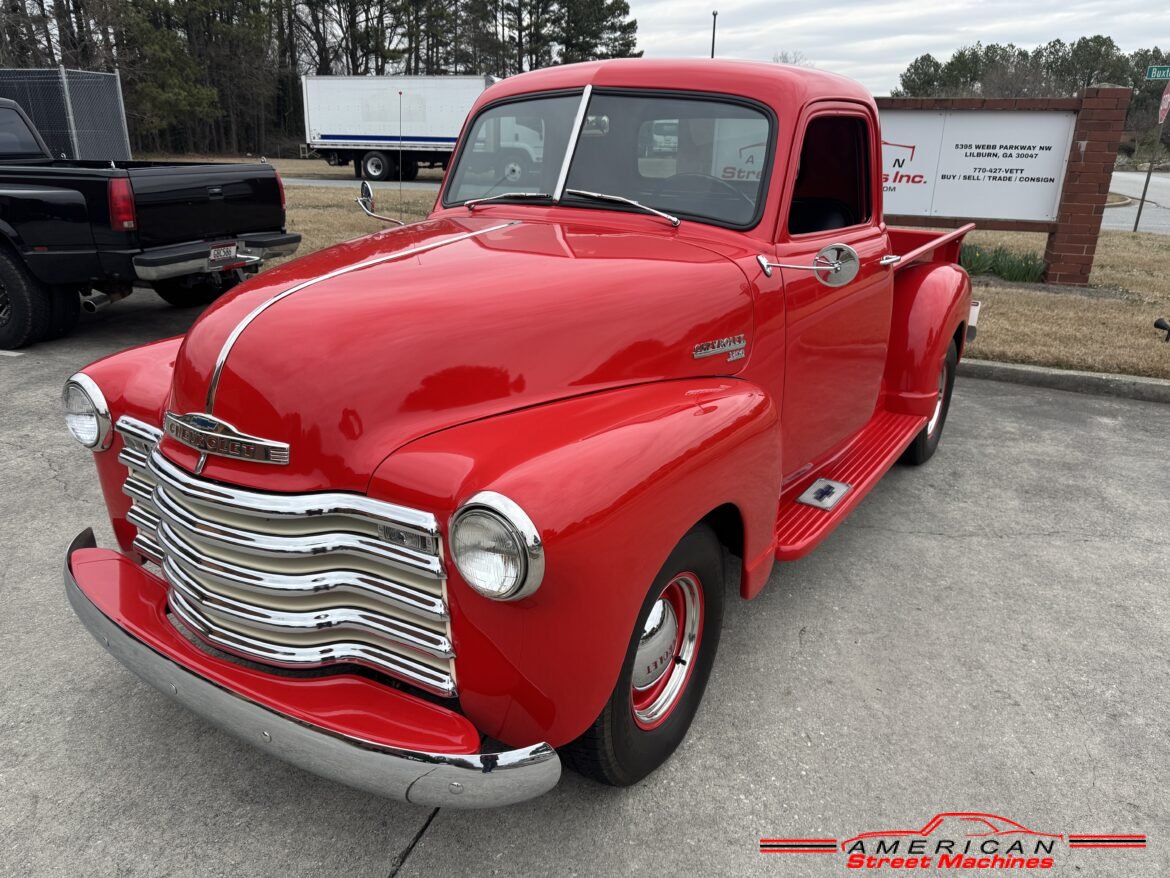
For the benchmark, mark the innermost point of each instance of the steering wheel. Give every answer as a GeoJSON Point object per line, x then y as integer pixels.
{"type": "Point", "coordinates": [666, 184]}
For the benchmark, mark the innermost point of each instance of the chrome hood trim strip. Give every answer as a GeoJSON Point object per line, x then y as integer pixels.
{"type": "Point", "coordinates": [235, 334]}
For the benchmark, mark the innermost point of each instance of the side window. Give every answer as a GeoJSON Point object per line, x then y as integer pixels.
{"type": "Point", "coordinates": [833, 181]}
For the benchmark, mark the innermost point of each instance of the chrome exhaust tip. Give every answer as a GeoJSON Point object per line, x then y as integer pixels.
{"type": "Point", "coordinates": [95, 301]}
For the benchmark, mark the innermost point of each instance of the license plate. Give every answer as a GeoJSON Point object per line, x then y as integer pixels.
{"type": "Point", "coordinates": [223, 253]}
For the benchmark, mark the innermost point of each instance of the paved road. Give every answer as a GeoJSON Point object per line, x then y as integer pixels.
{"type": "Point", "coordinates": [339, 183]}
{"type": "Point", "coordinates": [1155, 213]}
{"type": "Point", "coordinates": [986, 633]}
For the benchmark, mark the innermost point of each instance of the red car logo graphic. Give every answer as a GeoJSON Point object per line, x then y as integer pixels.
{"type": "Point", "coordinates": [912, 147]}
{"type": "Point", "coordinates": [958, 824]}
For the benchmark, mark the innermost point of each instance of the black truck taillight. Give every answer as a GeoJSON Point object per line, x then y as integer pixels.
{"type": "Point", "coordinates": [122, 215]}
{"type": "Point", "coordinates": [280, 186]}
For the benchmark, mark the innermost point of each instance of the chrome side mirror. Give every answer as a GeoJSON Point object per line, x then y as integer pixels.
{"type": "Point", "coordinates": [365, 201]}
{"type": "Point", "coordinates": [834, 266]}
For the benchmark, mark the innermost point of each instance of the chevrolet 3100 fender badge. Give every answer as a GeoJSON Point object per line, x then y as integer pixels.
{"type": "Point", "coordinates": [209, 435]}
{"type": "Point", "coordinates": [733, 346]}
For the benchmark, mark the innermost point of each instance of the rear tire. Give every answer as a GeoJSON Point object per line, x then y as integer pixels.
{"type": "Point", "coordinates": [377, 165]}
{"type": "Point", "coordinates": [409, 170]}
{"type": "Point", "coordinates": [64, 311]}
{"type": "Point", "coordinates": [25, 309]}
{"type": "Point", "coordinates": [926, 442]}
{"type": "Point", "coordinates": [650, 710]}
{"type": "Point", "coordinates": [193, 291]}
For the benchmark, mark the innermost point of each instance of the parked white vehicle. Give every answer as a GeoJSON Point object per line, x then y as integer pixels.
{"type": "Point", "coordinates": [387, 126]}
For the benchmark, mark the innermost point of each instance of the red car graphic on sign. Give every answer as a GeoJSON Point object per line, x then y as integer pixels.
{"type": "Point", "coordinates": [958, 824]}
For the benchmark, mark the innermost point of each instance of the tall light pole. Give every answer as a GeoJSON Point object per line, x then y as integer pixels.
{"type": "Point", "coordinates": [714, 18]}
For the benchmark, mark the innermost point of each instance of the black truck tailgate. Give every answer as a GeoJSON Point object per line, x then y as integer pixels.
{"type": "Point", "coordinates": [177, 203]}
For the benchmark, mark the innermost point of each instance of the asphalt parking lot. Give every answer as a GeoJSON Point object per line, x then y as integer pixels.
{"type": "Point", "coordinates": [989, 633]}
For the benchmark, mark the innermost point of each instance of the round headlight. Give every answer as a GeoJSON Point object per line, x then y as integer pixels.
{"type": "Point", "coordinates": [86, 414]}
{"type": "Point", "coordinates": [496, 547]}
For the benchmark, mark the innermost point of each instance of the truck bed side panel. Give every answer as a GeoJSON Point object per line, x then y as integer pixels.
{"type": "Point", "coordinates": [926, 245]}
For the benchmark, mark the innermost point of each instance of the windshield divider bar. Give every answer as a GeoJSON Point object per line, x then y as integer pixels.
{"type": "Point", "coordinates": [563, 177]}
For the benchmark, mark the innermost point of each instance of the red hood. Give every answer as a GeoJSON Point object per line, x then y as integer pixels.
{"type": "Point", "coordinates": [354, 366]}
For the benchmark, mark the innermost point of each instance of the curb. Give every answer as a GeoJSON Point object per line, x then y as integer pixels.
{"type": "Point", "coordinates": [1128, 201]}
{"type": "Point", "coordinates": [1099, 383]}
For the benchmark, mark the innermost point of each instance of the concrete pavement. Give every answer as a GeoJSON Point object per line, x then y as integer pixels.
{"type": "Point", "coordinates": [986, 633]}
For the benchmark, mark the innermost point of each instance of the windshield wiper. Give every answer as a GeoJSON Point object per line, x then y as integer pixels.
{"type": "Point", "coordinates": [471, 203]}
{"type": "Point", "coordinates": [621, 199]}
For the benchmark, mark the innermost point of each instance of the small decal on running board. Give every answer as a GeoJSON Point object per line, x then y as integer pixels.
{"type": "Point", "coordinates": [824, 493]}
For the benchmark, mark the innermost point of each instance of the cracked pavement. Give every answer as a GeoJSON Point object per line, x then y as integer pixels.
{"type": "Point", "coordinates": [990, 632]}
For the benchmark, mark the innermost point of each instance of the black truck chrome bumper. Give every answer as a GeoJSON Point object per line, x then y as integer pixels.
{"type": "Point", "coordinates": [197, 257]}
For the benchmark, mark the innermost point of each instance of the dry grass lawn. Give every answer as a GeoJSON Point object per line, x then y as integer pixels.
{"type": "Point", "coordinates": [326, 216]}
{"type": "Point", "coordinates": [1108, 328]}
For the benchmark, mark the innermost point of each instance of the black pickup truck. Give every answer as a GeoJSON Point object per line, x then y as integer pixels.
{"type": "Point", "coordinates": [84, 233]}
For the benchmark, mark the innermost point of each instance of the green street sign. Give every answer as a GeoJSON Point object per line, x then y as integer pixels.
{"type": "Point", "coordinates": [1156, 72]}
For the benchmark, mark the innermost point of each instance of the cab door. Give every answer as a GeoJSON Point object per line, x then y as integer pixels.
{"type": "Point", "coordinates": [836, 335]}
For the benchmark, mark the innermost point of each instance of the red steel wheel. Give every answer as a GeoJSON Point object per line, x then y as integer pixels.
{"type": "Point", "coordinates": [666, 651]}
{"type": "Point", "coordinates": [662, 680]}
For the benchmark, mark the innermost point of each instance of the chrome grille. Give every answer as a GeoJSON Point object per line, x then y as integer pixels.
{"type": "Point", "coordinates": [296, 581]}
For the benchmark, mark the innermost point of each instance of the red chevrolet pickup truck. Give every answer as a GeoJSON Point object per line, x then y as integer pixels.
{"type": "Point", "coordinates": [437, 510]}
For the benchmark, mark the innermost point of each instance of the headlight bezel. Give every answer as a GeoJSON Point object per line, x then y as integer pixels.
{"type": "Point", "coordinates": [97, 400]}
{"type": "Point", "coordinates": [522, 531]}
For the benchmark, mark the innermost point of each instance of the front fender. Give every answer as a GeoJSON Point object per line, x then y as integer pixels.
{"type": "Point", "coordinates": [931, 301]}
{"type": "Point", "coordinates": [612, 481]}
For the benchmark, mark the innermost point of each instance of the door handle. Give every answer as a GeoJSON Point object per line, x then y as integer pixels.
{"type": "Point", "coordinates": [889, 259]}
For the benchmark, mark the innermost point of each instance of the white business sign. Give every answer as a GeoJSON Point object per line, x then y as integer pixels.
{"type": "Point", "coordinates": [988, 164]}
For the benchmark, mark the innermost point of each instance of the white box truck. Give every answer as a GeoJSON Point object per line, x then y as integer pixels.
{"type": "Point", "coordinates": [387, 125]}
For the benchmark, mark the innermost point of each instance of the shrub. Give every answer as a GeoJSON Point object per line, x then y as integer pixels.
{"type": "Point", "coordinates": [975, 259]}
{"type": "Point", "coordinates": [1002, 262]}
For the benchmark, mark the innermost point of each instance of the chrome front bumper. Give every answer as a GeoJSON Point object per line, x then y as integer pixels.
{"type": "Point", "coordinates": [421, 778]}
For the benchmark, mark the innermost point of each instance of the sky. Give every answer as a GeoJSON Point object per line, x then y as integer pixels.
{"type": "Point", "coordinates": [873, 41]}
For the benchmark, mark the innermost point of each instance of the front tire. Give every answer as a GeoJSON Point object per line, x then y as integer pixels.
{"type": "Point", "coordinates": [665, 672]}
{"type": "Point", "coordinates": [926, 442]}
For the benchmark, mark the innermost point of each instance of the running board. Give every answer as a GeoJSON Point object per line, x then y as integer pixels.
{"type": "Point", "coordinates": [802, 525]}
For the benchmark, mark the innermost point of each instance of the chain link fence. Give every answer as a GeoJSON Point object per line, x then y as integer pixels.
{"type": "Point", "coordinates": [78, 112]}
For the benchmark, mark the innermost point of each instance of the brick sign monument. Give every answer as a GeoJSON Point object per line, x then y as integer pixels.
{"type": "Point", "coordinates": [1024, 165]}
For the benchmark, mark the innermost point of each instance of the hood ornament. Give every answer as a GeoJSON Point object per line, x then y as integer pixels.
{"type": "Point", "coordinates": [208, 434]}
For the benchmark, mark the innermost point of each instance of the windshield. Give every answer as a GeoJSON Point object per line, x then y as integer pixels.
{"type": "Point", "coordinates": [698, 158]}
